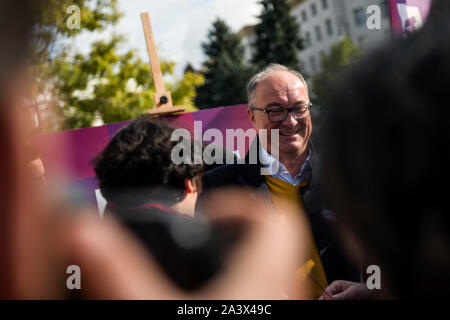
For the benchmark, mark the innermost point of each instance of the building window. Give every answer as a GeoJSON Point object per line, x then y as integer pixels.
{"type": "Point", "coordinates": [313, 9]}
{"type": "Point", "coordinates": [307, 39]}
{"type": "Point", "coordinates": [385, 9]}
{"type": "Point", "coordinates": [329, 27]}
{"type": "Point", "coordinates": [312, 61]}
{"type": "Point", "coordinates": [360, 16]}
{"type": "Point", "coordinates": [324, 4]}
{"type": "Point", "coordinates": [318, 33]}
{"type": "Point", "coordinates": [304, 16]}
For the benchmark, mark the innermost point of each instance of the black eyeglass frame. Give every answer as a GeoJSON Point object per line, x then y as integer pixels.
{"type": "Point", "coordinates": [267, 111]}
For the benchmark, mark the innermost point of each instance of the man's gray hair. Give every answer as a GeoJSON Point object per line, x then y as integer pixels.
{"type": "Point", "coordinates": [273, 67]}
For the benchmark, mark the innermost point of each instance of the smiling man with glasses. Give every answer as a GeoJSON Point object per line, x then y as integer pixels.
{"type": "Point", "coordinates": [278, 114]}
{"type": "Point", "coordinates": [279, 101]}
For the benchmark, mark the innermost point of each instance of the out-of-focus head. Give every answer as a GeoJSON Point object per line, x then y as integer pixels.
{"type": "Point", "coordinates": [273, 89]}
{"type": "Point", "coordinates": [20, 245]}
{"type": "Point", "coordinates": [19, 18]}
{"type": "Point", "coordinates": [136, 166]}
{"type": "Point", "coordinates": [387, 161]}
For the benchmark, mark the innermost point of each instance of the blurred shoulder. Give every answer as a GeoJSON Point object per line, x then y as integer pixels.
{"type": "Point", "coordinates": [221, 176]}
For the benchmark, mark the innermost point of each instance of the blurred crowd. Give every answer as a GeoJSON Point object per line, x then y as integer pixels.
{"type": "Point", "coordinates": [355, 210]}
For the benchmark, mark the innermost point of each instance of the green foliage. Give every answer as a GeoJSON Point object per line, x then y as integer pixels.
{"type": "Point", "coordinates": [225, 74]}
{"type": "Point", "coordinates": [277, 36]}
{"type": "Point", "coordinates": [110, 86]}
{"type": "Point", "coordinates": [342, 54]}
{"type": "Point", "coordinates": [106, 84]}
{"type": "Point", "coordinates": [96, 15]}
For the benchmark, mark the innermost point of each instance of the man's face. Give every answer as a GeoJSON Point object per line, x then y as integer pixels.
{"type": "Point", "coordinates": [285, 90]}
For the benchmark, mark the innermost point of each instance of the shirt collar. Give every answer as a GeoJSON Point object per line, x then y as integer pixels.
{"type": "Point", "coordinates": [269, 161]}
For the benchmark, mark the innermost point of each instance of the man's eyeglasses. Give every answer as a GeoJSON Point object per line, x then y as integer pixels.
{"type": "Point", "coordinates": [278, 114]}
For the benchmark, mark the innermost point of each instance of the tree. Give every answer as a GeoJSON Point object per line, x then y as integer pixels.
{"type": "Point", "coordinates": [225, 74]}
{"type": "Point", "coordinates": [342, 54]}
{"type": "Point", "coordinates": [104, 85]}
{"type": "Point", "coordinates": [277, 36]}
{"type": "Point", "coordinates": [112, 87]}
{"type": "Point", "coordinates": [188, 68]}
{"type": "Point", "coordinates": [94, 16]}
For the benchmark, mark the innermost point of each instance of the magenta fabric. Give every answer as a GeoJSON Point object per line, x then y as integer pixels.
{"type": "Point", "coordinates": [67, 155]}
{"type": "Point", "coordinates": [405, 15]}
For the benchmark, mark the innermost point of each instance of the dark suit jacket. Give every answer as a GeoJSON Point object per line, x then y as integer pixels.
{"type": "Point", "coordinates": [335, 262]}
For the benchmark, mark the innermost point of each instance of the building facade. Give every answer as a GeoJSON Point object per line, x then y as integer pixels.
{"type": "Point", "coordinates": [325, 22]}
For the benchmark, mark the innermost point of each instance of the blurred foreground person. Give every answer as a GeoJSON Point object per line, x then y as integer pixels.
{"type": "Point", "coordinates": [257, 267]}
{"type": "Point", "coordinates": [41, 235]}
{"type": "Point", "coordinates": [387, 143]}
{"type": "Point", "coordinates": [20, 242]}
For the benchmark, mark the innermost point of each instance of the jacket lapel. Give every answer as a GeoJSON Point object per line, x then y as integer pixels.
{"type": "Point", "coordinates": [250, 173]}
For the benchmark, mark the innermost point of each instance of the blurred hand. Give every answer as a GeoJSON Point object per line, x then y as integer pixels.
{"type": "Point", "coordinates": [115, 266]}
{"type": "Point", "coordinates": [346, 290]}
{"type": "Point", "coordinates": [260, 266]}
{"type": "Point", "coordinates": [264, 263]}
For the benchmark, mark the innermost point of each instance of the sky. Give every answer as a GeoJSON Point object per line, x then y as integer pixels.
{"type": "Point", "coordinates": [179, 26]}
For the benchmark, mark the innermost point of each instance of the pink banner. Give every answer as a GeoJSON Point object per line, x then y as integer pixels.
{"type": "Point", "coordinates": [408, 16]}
{"type": "Point", "coordinates": [67, 154]}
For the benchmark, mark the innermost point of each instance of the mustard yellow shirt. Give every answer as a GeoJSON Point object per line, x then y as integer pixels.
{"type": "Point", "coordinates": [310, 274]}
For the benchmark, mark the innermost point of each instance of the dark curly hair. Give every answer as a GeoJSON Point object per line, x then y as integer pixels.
{"type": "Point", "coordinates": [136, 166]}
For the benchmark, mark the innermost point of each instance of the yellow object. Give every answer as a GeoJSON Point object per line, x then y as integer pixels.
{"type": "Point", "coordinates": [304, 271]}
{"type": "Point", "coordinates": [312, 272]}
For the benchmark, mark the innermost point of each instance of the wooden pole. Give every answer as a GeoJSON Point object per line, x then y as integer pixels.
{"type": "Point", "coordinates": [163, 98]}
